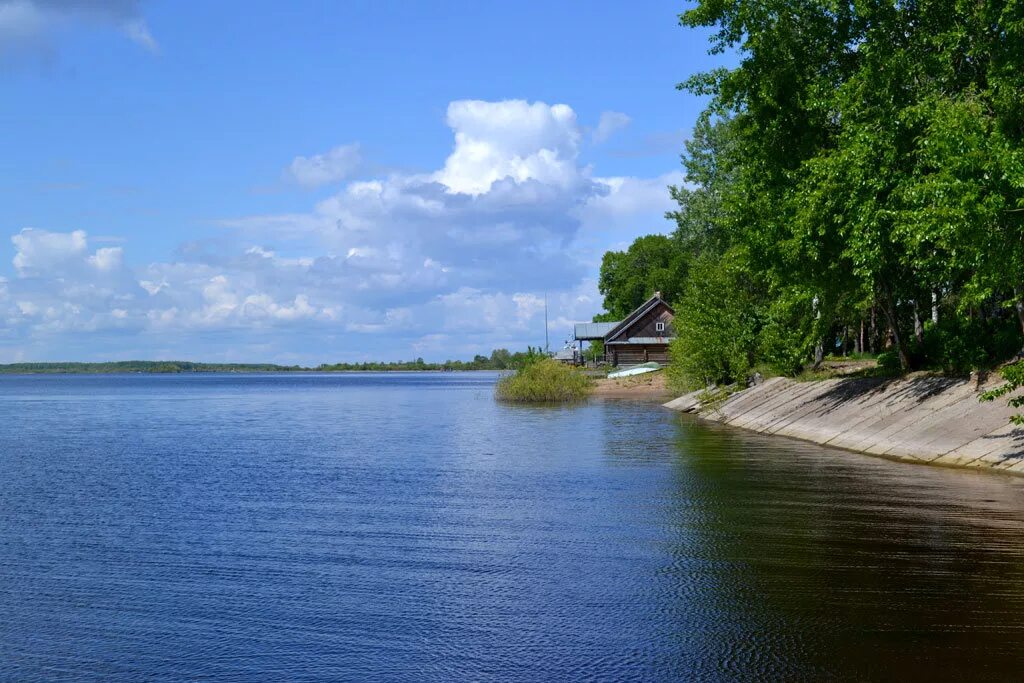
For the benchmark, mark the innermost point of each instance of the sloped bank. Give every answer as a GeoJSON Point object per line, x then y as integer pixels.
{"type": "Point", "coordinates": [935, 420]}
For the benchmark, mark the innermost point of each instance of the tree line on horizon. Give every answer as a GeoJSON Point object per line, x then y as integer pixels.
{"type": "Point", "coordinates": [854, 186]}
{"type": "Point", "coordinates": [500, 359]}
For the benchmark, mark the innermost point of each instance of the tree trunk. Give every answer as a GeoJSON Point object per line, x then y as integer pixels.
{"type": "Point", "coordinates": [918, 325]}
{"type": "Point", "coordinates": [889, 309]}
{"type": "Point", "coordinates": [873, 332]}
{"type": "Point", "coordinates": [819, 351]}
{"type": "Point", "coordinates": [1019, 306]}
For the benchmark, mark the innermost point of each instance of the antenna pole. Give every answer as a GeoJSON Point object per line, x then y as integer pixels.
{"type": "Point", "coordinates": [546, 347]}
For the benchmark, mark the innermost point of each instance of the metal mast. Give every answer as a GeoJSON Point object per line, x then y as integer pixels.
{"type": "Point", "coordinates": [546, 348]}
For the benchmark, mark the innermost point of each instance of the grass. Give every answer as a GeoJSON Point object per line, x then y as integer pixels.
{"type": "Point", "coordinates": [545, 381]}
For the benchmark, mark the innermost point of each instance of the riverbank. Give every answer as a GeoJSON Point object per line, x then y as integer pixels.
{"type": "Point", "coordinates": [924, 419]}
{"type": "Point", "coordinates": [648, 386]}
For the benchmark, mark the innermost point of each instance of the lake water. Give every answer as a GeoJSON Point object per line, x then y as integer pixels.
{"type": "Point", "coordinates": [407, 527]}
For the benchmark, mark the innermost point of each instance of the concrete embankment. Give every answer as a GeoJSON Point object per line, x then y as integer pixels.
{"type": "Point", "coordinates": [936, 420]}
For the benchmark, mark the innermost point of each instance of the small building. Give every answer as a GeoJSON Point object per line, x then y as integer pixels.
{"type": "Point", "coordinates": [568, 355]}
{"type": "Point", "coordinates": [643, 336]}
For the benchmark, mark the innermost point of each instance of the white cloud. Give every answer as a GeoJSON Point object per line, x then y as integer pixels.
{"type": "Point", "coordinates": [448, 263]}
{"type": "Point", "coordinates": [608, 124]}
{"type": "Point", "coordinates": [106, 259]}
{"type": "Point", "coordinates": [322, 169]}
{"type": "Point", "coordinates": [41, 250]}
{"type": "Point", "coordinates": [511, 139]}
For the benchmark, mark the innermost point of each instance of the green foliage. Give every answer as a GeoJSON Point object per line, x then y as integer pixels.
{"type": "Point", "coordinates": [142, 366]}
{"type": "Point", "coordinates": [958, 345]}
{"type": "Point", "coordinates": [628, 278]}
{"type": "Point", "coordinates": [543, 380]}
{"type": "Point", "coordinates": [521, 361]}
{"type": "Point", "coordinates": [871, 157]}
{"type": "Point", "coordinates": [1014, 376]}
{"type": "Point", "coordinates": [500, 359]}
{"type": "Point", "coordinates": [856, 184]}
{"type": "Point", "coordinates": [889, 363]}
{"type": "Point", "coordinates": [788, 332]}
{"type": "Point", "coordinates": [716, 325]}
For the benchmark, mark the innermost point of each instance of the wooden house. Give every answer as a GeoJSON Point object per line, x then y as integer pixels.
{"type": "Point", "coordinates": [643, 336]}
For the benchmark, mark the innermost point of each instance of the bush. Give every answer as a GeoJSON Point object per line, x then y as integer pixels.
{"type": "Point", "coordinates": [958, 345]}
{"type": "Point", "coordinates": [544, 381]}
{"type": "Point", "coordinates": [1014, 376]}
{"type": "Point", "coordinates": [715, 325]}
{"type": "Point", "coordinates": [889, 363]}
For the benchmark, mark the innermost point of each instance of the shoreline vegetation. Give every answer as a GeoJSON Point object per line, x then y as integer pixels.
{"type": "Point", "coordinates": [853, 188]}
{"type": "Point", "coordinates": [543, 380]}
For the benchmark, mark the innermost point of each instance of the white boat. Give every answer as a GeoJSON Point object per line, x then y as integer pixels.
{"type": "Point", "coordinates": [634, 370]}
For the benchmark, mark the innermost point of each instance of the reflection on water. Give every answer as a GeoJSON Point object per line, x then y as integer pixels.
{"type": "Point", "coordinates": [832, 563]}
{"type": "Point", "coordinates": [407, 527]}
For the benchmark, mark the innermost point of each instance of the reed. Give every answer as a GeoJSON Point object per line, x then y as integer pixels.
{"type": "Point", "coordinates": [544, 381]}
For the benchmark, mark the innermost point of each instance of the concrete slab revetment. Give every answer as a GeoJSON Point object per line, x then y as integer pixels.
{"type": "Point", "coordinates": [922, 419]}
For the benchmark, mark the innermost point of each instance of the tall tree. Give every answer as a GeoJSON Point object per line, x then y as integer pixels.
{"type": "Point", "coordinates": [628, 278]}
{"type": "Point", "coordinates": [877, 156]}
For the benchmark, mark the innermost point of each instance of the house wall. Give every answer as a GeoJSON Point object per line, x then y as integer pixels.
{"type": "Point", "coordinates": [646, 325]}
{"type": "Point", "coordinates": [634, 354]}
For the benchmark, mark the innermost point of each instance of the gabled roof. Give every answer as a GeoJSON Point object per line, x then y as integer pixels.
{"type": "Point", "coordinates": [643, 310]}
{"type": "Point", "coordinates": [592, 330]}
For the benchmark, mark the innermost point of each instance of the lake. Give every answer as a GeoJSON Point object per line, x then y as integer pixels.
{"type": "Point", "coordinates": [407, 527]}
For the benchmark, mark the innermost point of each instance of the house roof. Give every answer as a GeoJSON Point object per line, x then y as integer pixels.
{"type": "Point", "coordinates": [584, 331]}
{"type": "Point", "coordinates": [643, 310]}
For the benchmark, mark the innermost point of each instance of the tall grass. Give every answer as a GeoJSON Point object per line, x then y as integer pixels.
{"type": "Point", "coordinates": [544, 381]}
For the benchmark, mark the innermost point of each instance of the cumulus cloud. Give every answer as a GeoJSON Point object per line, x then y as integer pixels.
{"type": "Point", "coordinates": [32, 26]}
{"type": "Point", "coordinates": [512, 139]}
{"type": "Point", "coordinates": [445, 263]}
{"type": "Point", "coordinates": [608, 124]}
{"type": "Point", "coordinates": [107, 259]}
{"type": "Point", "coordinates": [43, 250]}
{"type": "Point", "coordinates": [333, 166]}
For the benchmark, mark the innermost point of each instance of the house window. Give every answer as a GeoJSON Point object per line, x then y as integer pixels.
{"type": "Point", "coordinates": [659, 327]}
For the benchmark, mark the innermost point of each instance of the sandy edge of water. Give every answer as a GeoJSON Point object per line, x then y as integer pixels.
{"type": "Point", "coordinates": [647, 386]}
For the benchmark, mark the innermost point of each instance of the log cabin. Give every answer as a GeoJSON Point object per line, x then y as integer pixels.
{"type": "Point", "coordinates": [641, 337]}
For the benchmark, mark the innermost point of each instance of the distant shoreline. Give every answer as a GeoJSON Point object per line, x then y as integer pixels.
{"type": "Point", "coordinates": [186, 367]}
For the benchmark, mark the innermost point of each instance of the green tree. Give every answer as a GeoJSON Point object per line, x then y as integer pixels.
{"type": "Point", "coordinates": [873, 163]}
{"type": "Point", "coordinates": [716, 324]}
{"type": "Point", "coordinates": [628, 278]}
{"type": "Point", "coordinates": [501, 359]}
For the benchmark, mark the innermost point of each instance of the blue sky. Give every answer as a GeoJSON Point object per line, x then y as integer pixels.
{"type": "Point", "coordinates": [320, 181]}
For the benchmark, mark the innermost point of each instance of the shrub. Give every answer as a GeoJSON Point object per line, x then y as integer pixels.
{"type": "Point", "coordinates": [715, 325]}
{"type": "Point", "coordinates": [544, 381]}
{"type": "Point", "coordinates": [958, 345]}
{"type": "Point", "coordinates": [889, 363]}
{"type": "Point", "coordinates": [1014, 376]}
